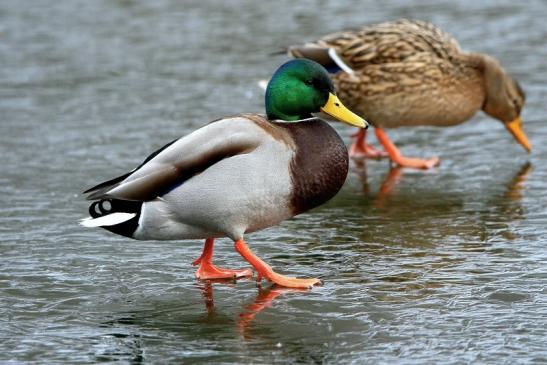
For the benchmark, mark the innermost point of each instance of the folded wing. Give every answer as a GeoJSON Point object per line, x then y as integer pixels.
{"type": "Point", "coordinates": [178, 161]}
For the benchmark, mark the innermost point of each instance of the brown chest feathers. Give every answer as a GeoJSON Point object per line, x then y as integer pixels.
{"type": "Point", "coordinates": [320, 164]}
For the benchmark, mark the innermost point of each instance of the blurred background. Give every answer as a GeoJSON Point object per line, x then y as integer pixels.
{"type": "Point", "coordinates": [444, 266]}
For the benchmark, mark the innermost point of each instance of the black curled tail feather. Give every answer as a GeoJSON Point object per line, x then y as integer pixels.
{"type": "Point", "coordinates": [104, 207]}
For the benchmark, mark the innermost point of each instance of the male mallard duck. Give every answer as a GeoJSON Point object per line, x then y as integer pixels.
{"type": "Point", "coordinates": [409, 73]}
{"type": "Point", "coordinates": [236, 175]}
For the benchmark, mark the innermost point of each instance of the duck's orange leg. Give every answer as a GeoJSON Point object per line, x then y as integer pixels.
{"type": "Point", "coordinates": [264, 270]}
{"type": "Point", "coordinates": [360, 148]}
{"type": "Point", "coordinates": [207, 270]}
{"type": "Point", "coordinates": [396, 156]}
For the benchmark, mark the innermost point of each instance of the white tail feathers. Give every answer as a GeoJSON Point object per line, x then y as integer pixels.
{"type": "Point", "coordinates": [107, 220]}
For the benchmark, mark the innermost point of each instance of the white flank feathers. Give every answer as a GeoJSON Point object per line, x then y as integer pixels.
{"type": "Point", "coordinates": [107, 220]}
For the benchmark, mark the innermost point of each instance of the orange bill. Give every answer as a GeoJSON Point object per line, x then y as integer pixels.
{"type": "Point", "coordinates": [515, 128]}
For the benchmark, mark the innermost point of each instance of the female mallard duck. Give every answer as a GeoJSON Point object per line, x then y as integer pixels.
{"type": "Point", "coordinates": [236, 175]}
{"type": "Point", "coordinates": [409, 73]}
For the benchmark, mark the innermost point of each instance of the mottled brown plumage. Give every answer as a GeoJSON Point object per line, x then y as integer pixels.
{"type": "Point", "coordinates": [410, 73]}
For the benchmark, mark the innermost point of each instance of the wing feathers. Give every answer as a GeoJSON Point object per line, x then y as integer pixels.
{"type": "Point", "coordinates": [146, 187]}
{"type": "Point", "coordinates": [100, 190]}
{"type": "Point", "coordinates": [182, 159]}
{"type": "Point", "coordinates": [316, 53]}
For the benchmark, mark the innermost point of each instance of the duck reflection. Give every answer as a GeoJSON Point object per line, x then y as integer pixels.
{"type": "Point", "coordinates": [507, 208]}
{"type": "Point", "coordinates": [395, 176]}
{"type": "Point", "coordinates": [392, 179]}
{"type": "Point", "coordinates": [517, 185]}
{"type": "Point", "coordinates": [431, 226]}
{"type": "Point", "coordinates": [207, 294]}
{"type": "Point", "coordinates": [264, 299]}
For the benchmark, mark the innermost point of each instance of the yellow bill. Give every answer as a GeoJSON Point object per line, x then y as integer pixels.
{"type": "Point", "coordinates": [515, 128]}
{"type": "Point", "coordinates": [336, 109]}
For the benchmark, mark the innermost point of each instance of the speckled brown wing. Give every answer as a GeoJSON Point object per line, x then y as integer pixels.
{"type": "Point", "coordinates": [422, 90]}
{"type": "Point", "coordinates": [389, 42]}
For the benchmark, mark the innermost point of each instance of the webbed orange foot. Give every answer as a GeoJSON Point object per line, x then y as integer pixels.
{"type": "Point", "coordinates": [416, 163]}
{"type": "Point", "coordinates": [207, 270]}
{"type": "Point", "coordinates": [210, 271]}
{"type": "Point", "coordinates": [265, 271]}
{"type": "Point", "coordinates": [397, 157]}
{"type": "Point", "coordinates": [361, 149]}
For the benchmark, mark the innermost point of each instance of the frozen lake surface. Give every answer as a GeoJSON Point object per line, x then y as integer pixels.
{"type": "Point", "coordinates": [444, 266]}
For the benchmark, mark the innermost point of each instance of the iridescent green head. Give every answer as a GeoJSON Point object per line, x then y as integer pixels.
{"type": "Point", "coordinates": [301, 87]}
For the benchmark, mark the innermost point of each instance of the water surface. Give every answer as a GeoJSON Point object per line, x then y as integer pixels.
{"type": "Point", "coordinates": [444, 266]}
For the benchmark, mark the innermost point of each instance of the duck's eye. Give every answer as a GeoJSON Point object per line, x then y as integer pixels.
{"type": "Point", "coordinates": [517, 106]}
{"type": "Point", "coordinates": [309, 82]}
